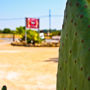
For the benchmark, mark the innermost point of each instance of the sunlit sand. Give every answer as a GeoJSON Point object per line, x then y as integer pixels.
{"type": "Point", "coordinates": [28, 68]}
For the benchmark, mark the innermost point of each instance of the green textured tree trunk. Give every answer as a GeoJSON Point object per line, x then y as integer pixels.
{"type": "Point", "coordinates": [74, 57]}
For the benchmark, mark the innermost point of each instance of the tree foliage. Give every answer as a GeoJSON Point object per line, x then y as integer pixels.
{"type": "Point", "coordinates": [32, 37]}
{"type": "Point", "coordinates": [20, 30]}
{"type": "Point", "coordinates": [7, 30]}
{"type": "Point", "coordinates": [1, 31]}
{"type": "Point", "coordinates": [56, 33]}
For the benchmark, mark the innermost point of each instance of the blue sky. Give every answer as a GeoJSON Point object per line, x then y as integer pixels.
{"type": "Point", "coordinates": [31, 8]}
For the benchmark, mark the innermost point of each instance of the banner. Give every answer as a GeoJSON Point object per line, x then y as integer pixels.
{"type": "Point", "coordinates": [32, 23]}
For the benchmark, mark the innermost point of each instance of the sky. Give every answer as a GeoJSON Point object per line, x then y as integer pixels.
{"type": "Point", "coordinates": [11, 9]}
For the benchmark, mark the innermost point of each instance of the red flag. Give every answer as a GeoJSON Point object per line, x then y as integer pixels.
{"type": "Point", "coordinates": [32, 23]}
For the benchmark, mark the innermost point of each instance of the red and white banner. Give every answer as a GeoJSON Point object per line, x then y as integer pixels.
{"type": "Point", "coordinates": [32, 23]}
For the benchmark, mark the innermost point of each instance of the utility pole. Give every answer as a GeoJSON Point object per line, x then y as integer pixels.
{"type": "Point", "coordinates": [49, 20]}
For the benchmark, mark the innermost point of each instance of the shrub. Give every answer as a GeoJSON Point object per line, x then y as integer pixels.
{"type": "Point", "coordinates": [32, 37]}
{"type": "Point", "coordinates": [55, 33]}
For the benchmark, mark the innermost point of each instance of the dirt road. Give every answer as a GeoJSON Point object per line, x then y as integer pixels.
{"type": "Point", "coordinates": [25, 68]}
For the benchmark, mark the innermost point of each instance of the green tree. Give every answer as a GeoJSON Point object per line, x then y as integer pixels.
{"type": "Point", "coordinates": [56, 33]}
{"type": "Point", "coordinates": [7, 30]}
{"type": "Point", "coordinates": [20, 30]}
{"type": "Point", "coordinates": [1, 31]}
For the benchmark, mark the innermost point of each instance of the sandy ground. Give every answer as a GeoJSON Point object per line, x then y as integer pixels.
{"type": "Point", "coordinates": [26, 68]}
{"type": "Point", "coordinates": [1, 40]}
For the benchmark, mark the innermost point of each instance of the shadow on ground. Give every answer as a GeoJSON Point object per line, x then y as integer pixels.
{"type": "Point", "coordinates": [55, 60]}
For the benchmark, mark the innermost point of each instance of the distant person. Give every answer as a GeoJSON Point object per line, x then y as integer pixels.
{"type": "Point", "coordinates": [4, 87]}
